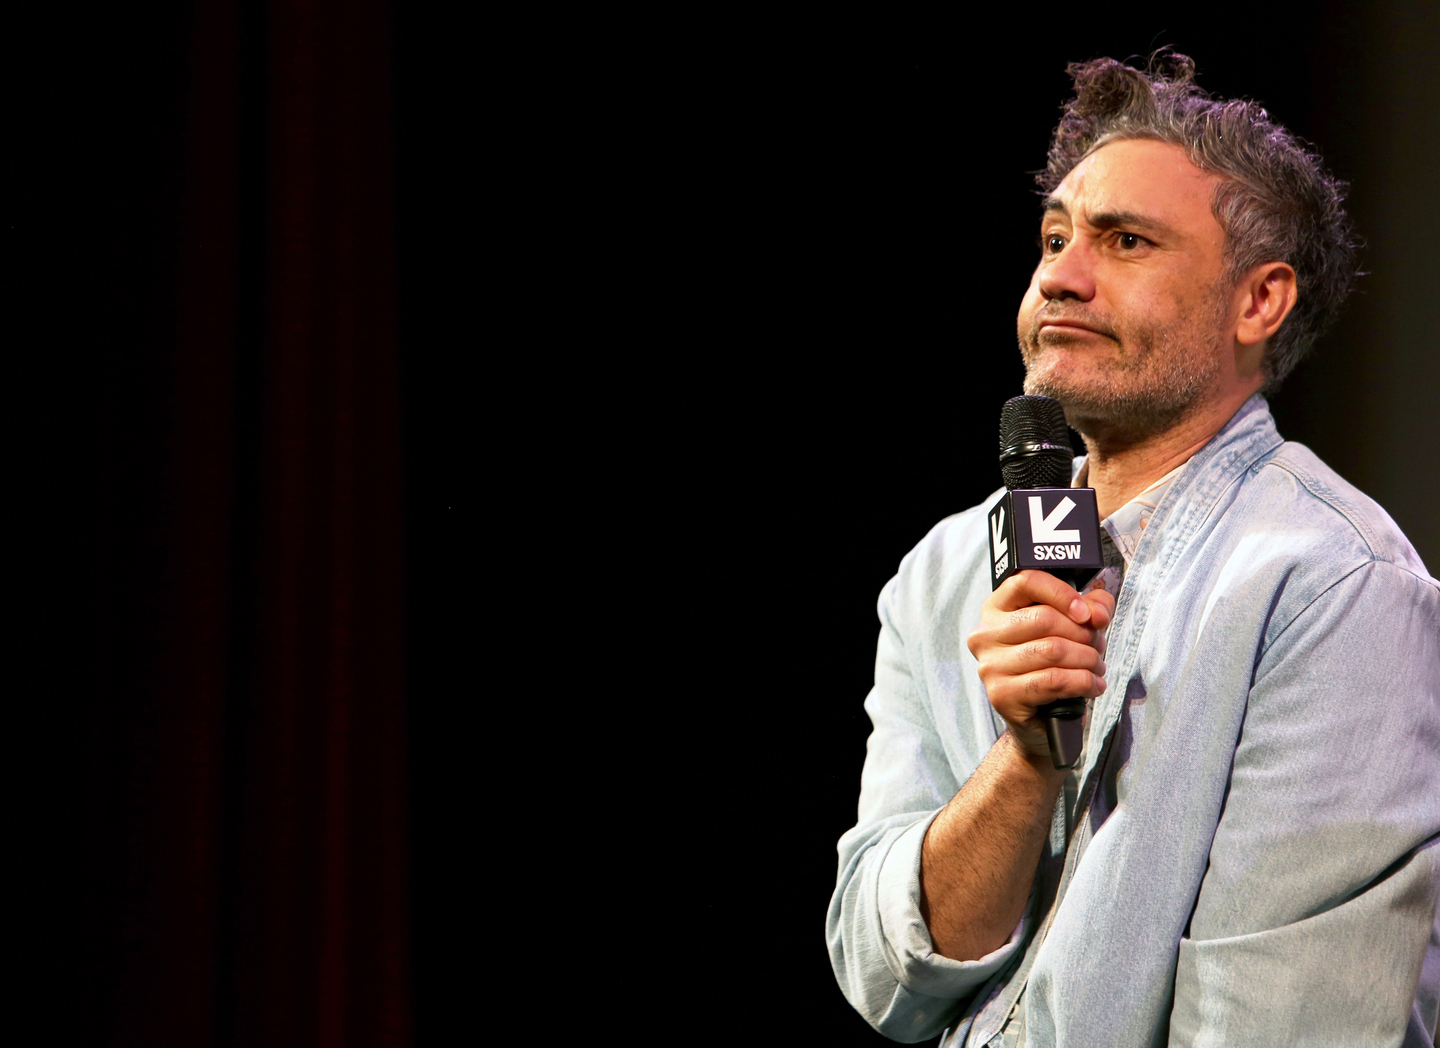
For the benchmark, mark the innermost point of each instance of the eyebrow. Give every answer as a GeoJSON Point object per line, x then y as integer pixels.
{"type": "Point", "coordinates": [1111, 219]}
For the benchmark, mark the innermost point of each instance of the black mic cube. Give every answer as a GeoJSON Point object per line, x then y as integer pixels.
{"type": "Point", "coordinates": [1048, 529]}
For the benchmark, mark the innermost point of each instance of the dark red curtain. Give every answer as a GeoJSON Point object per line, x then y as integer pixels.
{"type": "Point", "coordinates": [229, 654]}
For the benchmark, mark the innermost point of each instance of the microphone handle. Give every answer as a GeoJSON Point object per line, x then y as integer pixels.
{"type": "Point", "coordinates": [1062, 712]}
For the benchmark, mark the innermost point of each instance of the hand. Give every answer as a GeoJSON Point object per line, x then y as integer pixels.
{"type": "Point", "coordinates": [1038, 641]}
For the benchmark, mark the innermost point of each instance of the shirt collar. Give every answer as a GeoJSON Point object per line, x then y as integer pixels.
{"type": "Point", "coordinates": [1127, 523]}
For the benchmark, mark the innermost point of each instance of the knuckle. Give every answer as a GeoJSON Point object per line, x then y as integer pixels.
{"type": "Point", "coordinates": [1055, 680]}
{"type": "Point", "coordinates": [1039, 685]}
{"type": "Point", "coordinates": [1038, 617]}
{"type": "Point", "coordinates": [1040, 652]}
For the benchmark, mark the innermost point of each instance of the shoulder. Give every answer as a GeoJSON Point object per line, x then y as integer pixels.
{"type": "Point", "coordinates": [951, 559]}
{"type": "Point", "coordinates": [1289, 532]}
{"type": "Point", "coordinates": [1322, 516]}
{"type": "Point", "coordinates": [936, 594]}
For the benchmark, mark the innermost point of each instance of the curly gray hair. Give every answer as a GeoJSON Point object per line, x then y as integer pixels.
{"type": "Point", "coordinates": [1275, 200]}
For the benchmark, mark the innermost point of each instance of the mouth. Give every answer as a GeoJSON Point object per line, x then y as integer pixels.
{"type": "Point", "coordinates": [1060, 326]}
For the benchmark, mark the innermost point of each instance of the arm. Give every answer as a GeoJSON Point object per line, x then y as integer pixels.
{"type": "Point", "coordinates": [1038, 641]}
{"type": "Point", "coordinates": [979, 857]}
{"type": "Point", "coordinates": [880, 945]}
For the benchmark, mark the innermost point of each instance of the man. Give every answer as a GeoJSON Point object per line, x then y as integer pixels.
{"type": "Point", "coordinates": [1248, 851]}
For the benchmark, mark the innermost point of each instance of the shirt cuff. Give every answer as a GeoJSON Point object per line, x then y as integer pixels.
{"type": "Point", "coordinates": [909, 950]}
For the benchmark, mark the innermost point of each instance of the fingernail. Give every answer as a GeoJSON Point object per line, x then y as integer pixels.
{"type": "Point", "coordinates": [1101, 681]}
{"type": "Point", "coordinates": [1100, 643]}
{"type": "Point", "coordinates": [1100, 670]}
{"type": "Point", "coordinates": [1078, 610]}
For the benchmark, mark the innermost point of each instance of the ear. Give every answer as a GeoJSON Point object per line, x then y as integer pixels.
{"type": "Point", "coordinates": [1266, 295]}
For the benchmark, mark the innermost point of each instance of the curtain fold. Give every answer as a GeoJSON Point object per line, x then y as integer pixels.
{"type": "Point", "coordinates": [247, 722]}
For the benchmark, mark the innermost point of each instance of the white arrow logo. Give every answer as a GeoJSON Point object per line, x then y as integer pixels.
{"type": "Point", "coordinates": [1044, 530]}
{"type": "Point", "coordinates": [999, 544]}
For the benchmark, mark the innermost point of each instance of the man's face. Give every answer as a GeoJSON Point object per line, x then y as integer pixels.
{"type": "Point", "coordinates": [1126, 319]}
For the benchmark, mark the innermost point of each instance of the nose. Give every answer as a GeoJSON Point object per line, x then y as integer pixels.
{"type": "Point", "coordinates": [1070, 274]}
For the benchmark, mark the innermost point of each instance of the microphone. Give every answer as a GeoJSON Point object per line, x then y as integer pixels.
{"type": "Point", "coordinates": [1043, 523]}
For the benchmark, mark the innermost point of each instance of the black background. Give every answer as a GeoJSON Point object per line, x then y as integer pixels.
{"type": "Point", "coordinates": [704, 324]}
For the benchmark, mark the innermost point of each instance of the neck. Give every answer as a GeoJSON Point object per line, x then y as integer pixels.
{"type": "Point", "coordinates": [1120, 468]}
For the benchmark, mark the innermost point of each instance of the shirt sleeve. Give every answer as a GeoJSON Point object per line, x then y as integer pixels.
{"type": "Point", "coordinates": [1315, 915]}
{"type": "Point", "coordinates": [880, 948]}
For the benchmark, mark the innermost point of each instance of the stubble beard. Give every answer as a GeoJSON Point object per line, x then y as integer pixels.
{"type": "Point", "coordinates": [1161, 375]}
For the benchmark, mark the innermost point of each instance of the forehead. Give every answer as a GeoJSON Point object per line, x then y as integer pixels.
{"type": "Point", "coordinates": [1144, 177]}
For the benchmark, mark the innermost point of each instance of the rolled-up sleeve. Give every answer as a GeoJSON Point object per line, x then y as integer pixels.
{"type": "Point", "coordinates": [880, 948]}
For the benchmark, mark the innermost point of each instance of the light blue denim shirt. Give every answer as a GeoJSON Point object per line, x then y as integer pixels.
{"type": "Point", "coordinates": [1257, 857]}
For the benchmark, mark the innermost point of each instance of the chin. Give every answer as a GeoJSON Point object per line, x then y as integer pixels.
{"type": "Point", "coordinates": [1048, 378]}
{"type": "Point", "coordinates": [1106, 404]}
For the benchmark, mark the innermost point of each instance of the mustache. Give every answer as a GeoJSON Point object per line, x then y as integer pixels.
{"type": "Point", "coordinates": [1051, 314]}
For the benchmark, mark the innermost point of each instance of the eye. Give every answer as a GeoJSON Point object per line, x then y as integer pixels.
{"type": "Point", "coordinates": [1052, 243]}
{"type": "Point", "coordinates": [1129, 241]}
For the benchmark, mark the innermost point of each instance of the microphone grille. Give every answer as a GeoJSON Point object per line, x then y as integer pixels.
{"type": "Point", "coordinates": [1034, 443]}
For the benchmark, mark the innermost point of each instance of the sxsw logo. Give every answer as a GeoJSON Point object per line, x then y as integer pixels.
{"type": "Point", "coordinates": [999, 540]}
{"type": "Point", "coordinates": [1045, 529]}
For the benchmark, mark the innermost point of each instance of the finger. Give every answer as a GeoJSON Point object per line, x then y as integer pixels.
{"type": "Point", "coordinates": [1102, 607]}
{"type": "Point", "coordinates": [1101, 610]}
{"type": "Point", "coordinates": [1032, 623]}
{"type": "Point", "coordinates": [1040, 587]}
{"type": "Point", "coordinates": [1035, 689]}
{"type": "Point", "coordinates": [1042, 654]}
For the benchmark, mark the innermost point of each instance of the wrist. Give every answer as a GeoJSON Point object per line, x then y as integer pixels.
{"type": "Point", "coordinates": [1036, 759]}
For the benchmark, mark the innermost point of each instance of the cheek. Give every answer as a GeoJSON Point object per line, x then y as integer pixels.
{"type": "Point", "coordinates": [1030, 303]}
{"type": "Point", "coordinates": [1155, 305]}
{"type": "Point", "coordinates": [1024, 319]}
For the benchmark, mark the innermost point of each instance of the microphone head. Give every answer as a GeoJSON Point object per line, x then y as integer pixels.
{"type": "Point", "coordinates": [1034, 444]}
